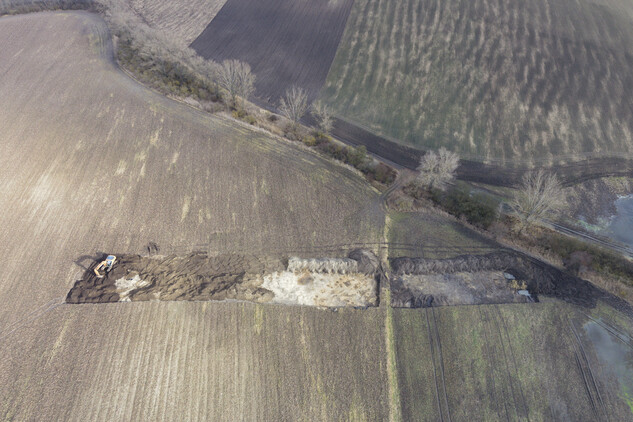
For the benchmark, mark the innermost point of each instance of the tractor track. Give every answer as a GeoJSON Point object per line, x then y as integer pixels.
{"type": "Point", "coordinates": [613, 331]}
{"type": "Point", "coordinates": [432, 346]}
{"type": "Point", "coordinates": [514, 361]}
{"type": "Point", "coordinates": [32, 316]}
{"type": "Point", "coordinates": [600, 241]}
{"type": "Point", "coordinates": [585, 368]}
{"type": "Point", "coordinates": [441, 359]}
{"type": "Point", "coordinates": [498, 323]}
{"type": "Point", "coordinates": [485, 319]}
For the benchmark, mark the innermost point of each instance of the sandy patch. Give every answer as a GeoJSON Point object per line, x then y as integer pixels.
{"type": "Point", "coordinates": [318, 289]}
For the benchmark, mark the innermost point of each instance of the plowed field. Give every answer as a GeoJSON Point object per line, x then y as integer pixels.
{"type": "Point", "coordinates": [286, 42]}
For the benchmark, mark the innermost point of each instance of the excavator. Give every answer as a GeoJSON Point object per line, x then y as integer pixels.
{"type": "Point", "coordinates": [106, 265]}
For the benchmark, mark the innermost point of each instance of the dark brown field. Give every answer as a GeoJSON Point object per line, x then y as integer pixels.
{"type": "Point", "coordinates": [286, 42]}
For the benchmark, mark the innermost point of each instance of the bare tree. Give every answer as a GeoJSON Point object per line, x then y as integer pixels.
{"type": "Point", "coordinates": [538, 194]}
{"type": "Point", "coordinates": [323, 116]}
{"type": "Point", "coordinates": [236, 77]}
{"type": "Point", "coordinates": [437, 169]}
{"type": "Point", "coordinates": [294, 104]}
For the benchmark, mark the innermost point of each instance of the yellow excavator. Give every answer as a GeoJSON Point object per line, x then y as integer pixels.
{"type": "Point", "coordinates": [106, 265]}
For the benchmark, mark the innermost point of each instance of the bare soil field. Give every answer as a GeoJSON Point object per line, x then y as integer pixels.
{"type": "Point", "coordinates": [184, 20]}
{"type": "Point", "coordinates": [92, 163]}
{"type": "Point", "coordinates": [286, 42]}
{"type": "Point", "coordinates": [530, 81]}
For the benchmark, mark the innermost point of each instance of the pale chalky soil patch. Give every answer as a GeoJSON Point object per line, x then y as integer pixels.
{"type": "Point", "coordinates": [317, 289]}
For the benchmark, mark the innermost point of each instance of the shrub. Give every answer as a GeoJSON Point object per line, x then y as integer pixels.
{"type": "Point", "coordinates": [357, 156]}
{"type": "Point", "coordinates": [475, 208]}
{"type": "Point", "coordinates": [384, 174]}
{"type": "Point", "coordinates": [599, 259]}
{"type": "Point", "coordinates": [309, 140]}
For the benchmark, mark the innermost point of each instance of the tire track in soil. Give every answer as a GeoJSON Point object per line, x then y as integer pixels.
{"type": "Point", "coordinates": [526, 409]}
{"type": "Point", "coordinates": [183, 249]}
{"type": "Point", "coordinates": [435, 376]}
{"type": "Point", "coordinates": [491, 358]}
{"type": "Point", "coordinates": [441, 359]}
{"type": "Point", "coordinates": [584, 367]}
{"type": "Point", "coordinates": [32, 316]}
{"type": "Point", "coordinates": [613, 330]}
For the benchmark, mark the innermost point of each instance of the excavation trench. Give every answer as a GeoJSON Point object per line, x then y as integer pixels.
{"type": "Point", "coordinates": [499, 277]}
{"type": "Point", "coordinates": [327, 282]}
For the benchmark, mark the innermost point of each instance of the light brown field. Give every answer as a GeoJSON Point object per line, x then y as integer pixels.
{"type": "Point", "coordinates": [184, 19]}
{"type": "Point", "coordinates": [92, 161]}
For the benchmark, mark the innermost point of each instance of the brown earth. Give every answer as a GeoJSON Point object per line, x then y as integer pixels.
{"type": "Point", "coordinates": [94, 162]}
{"type": "Point", "coordinates": [91, 162]}
{"type": "Point", "coordinates": [285, 42]}
{"type": "Point", "coordinates": [196, 276]}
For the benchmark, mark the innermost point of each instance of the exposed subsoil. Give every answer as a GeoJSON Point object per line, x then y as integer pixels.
{"type": "Point", "coordinates": [414, 282]}
{"type": "Point", "coordinates": [192, 277]}
{"type": "Point", "coordinates": [541, 279]}
{"type": "Point", "coordinates": [286, 42]}
{"type": "Point", "coordinates": [326, 282]}
{"type": "Point", "coordinates": [462, 288]}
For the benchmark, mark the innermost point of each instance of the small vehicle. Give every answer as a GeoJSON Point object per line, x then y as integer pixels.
{"type": "Point", "coordinates": [106, 264]}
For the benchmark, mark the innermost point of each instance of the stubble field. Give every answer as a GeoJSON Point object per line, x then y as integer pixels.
{"type": "Point", "coordinates": [184, 20]}
{"type": "Point", "coordinates": [531, 81]}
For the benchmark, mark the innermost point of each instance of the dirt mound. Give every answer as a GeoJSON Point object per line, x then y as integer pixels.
{"type": "Point", "coordinates": [197, 276]}
{"type": "Point", "coordinates": [193, 277]}
{"type": "Point", "coordinates": [540, 278]}
{"type": "Point", "coordinates": [462, 288]}
{"type": "Point", "coordinates": [368, 262]}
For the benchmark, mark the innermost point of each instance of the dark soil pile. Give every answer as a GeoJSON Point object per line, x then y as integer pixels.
{"type": "Point", "coordinates": [193, 277]}
{"type": "Point", "coordinates": [541, 278]}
